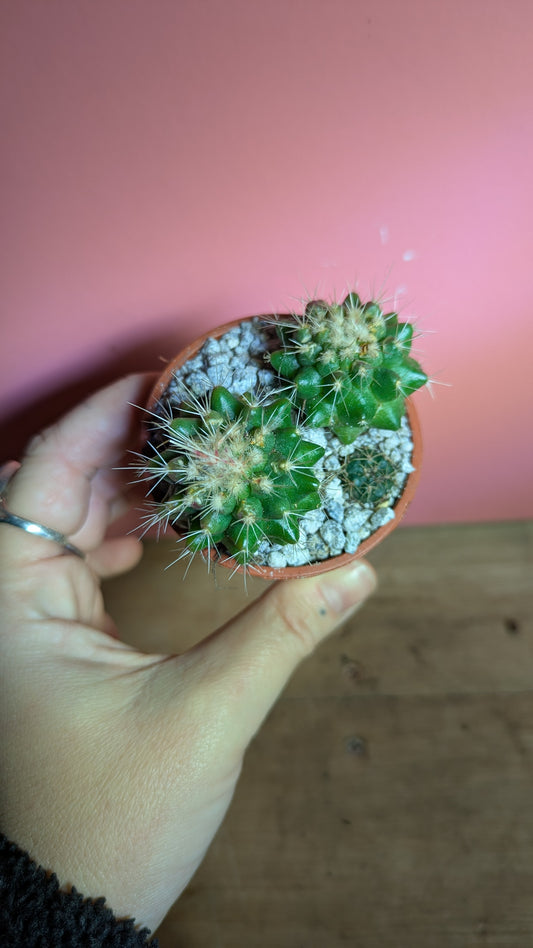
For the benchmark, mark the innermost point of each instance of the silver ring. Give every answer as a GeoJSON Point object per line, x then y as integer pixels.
{"type": "Point", "coordinates": [31, 526]}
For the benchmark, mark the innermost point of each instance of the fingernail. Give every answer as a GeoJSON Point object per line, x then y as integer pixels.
{"type": "Point", "coordinates": [347, 587]}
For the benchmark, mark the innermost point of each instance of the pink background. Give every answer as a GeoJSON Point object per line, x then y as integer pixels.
{"type": "Point", "coordinates": [171, 165]}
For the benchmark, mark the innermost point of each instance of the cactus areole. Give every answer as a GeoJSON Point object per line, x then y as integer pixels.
{"type": "Point", "coordinates": [229, 471]}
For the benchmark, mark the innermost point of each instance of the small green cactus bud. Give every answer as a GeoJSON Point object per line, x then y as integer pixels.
{"type": "Point", "coordinates": [285, 363]}
{"type": "Point", "coordinates": [308, 382]}
{"type": "Point", "coordinates": [370, 477]}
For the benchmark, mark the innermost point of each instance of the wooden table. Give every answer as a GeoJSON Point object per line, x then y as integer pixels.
{"type": "Point", "coordinates": [388, 800]}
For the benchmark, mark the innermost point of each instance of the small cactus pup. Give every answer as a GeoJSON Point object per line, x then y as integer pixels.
{"type": "Point", "coordinates": [230, 471]}
{"type": "Point", "coordinates": [349, 364]}
{"type": "Point", "coordinates": [370, 476]}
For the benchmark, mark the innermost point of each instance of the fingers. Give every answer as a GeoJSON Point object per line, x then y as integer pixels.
{"type": "Point", "coordinates": [250, 660]}
{"type": "Point", "coordinates": [115, 556]}
{"type": "Point", "coordinates": [54, 484]}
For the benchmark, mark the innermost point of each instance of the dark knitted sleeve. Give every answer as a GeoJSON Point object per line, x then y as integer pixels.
{"type": "Point", "coordinates": [34, 913]}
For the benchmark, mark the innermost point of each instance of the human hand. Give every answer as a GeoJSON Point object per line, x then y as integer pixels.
{"type": "Point", "coordinates": [118, 767]}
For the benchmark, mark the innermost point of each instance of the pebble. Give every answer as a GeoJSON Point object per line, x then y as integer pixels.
{"type": "Point", "coordinates": [312, 521]}
{"type": "Point", "coordinates": [353, 541]}
{"type": "Point", "coordinates": [333, 492]}
{"type": "Point", "coordinates": [244, 380]}
{"type": "Point", "coordinates": [277, 560]}
{"type": "Point", "coordinates": [199, 382]}
{"type": "Point", "coordinates": [296, 555]}
{"type": "Point", "coordinates": [233, 338]}
{"type": "Point", "coordinates": [218, 374]}
{"type": "Point", "coordinates": [333, 535]}
{"type": "Point", "coordinates": [335, 510]}
{"type": "Point", "coordinates": [194, 365]}
{"type": "Point", "coordinates": [355, 517]}
{"type": "Point", "coordinates": [332, 463]}
{"type": "Point", "coordinates": [318, 548]}
{"type": "Point", "coordinates": [266, 377]}
{"type": "Point", "coordinates": [381, 517]}
{"type": "Point", "coordinates": [211, 346]}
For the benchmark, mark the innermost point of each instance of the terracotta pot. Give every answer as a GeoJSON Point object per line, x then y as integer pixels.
{"type": "Point", "coordinates": [323, 566]}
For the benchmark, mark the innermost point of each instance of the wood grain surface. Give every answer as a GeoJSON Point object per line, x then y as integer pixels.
{"type": "Point", "coordinates": [387, 802]}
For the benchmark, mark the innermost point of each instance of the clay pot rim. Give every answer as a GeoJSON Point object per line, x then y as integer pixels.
{"type": "Point", "coordinates": [322, 566]}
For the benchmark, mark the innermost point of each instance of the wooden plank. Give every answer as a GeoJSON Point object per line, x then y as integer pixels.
{"type": "Point", "coordinates": [387, 799]}
{"type": "Point", "coordinates": [378, 822]}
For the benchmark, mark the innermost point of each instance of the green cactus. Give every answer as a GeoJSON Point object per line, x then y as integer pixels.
{"type": "Point", "coordinates": [350, 365]}
{"type": "Point", "coordinates": [370, 476]}
{"type": "Point", "coordinates": [231, 472]}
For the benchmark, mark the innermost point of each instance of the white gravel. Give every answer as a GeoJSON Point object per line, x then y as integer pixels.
{"type": "Point", "coordinates": [236, 361]}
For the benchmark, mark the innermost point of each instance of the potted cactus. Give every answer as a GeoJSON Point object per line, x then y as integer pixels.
{"type": "Point", "coordinates": [284, 445]}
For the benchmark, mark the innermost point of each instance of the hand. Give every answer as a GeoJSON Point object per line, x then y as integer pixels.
{"type": "Point", "coordinates": [118, 767]}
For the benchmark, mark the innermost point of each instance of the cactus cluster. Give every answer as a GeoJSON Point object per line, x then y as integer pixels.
{"type": "Point", "coordinates": [228, 471]}
{"type": "Point", "coordinates": [232, 472]}
{"type": "Point", "coordinates": [349, 365]}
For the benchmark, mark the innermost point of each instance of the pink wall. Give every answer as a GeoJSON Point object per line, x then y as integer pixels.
{"type": "Point", "coordinates": [173, 164]}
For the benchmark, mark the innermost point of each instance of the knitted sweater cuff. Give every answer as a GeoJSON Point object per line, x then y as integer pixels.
{"type": "Point", "coordinates": [34, 911]}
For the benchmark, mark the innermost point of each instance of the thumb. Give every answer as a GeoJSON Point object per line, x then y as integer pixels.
{"type": "Point", "coordinates": [253, 656]}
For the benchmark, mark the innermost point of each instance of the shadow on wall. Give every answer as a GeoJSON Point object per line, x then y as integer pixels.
{"type": "Point", "coordinates": [147, 353]}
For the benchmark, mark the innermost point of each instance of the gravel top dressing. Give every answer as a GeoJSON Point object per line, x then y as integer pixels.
{"type": "Point", "coordinates": [237, 361]}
